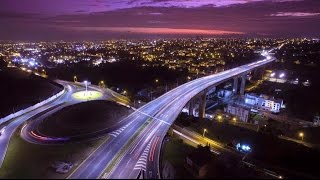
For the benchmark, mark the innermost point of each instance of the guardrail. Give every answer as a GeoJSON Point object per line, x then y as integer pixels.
{"type": "Point", "coordinates": [23, 111]}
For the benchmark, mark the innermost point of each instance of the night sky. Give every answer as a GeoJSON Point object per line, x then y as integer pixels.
{"type": "Point", "coordinates": [105, 19]}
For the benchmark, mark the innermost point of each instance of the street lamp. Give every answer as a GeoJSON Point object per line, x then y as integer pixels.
{"type": "Point", "coordinates": [157, 80]}
{"type": "Point", "coordinates": [301, 135]}
{"type": "Point", "coordinates": [234, 119]}
{"type": "Point", "coordinates": [272, 74]}
{"type": "Point", "coordinates": [281, 75]}
{"type": "Point", "coordinates": [204, 131]}
{"type": "Point", "coordinates": [219, 117]}
{"type": "Point", "coordinates": [86, 83]}
{"type": "Point", "coordinates": [101, 83]}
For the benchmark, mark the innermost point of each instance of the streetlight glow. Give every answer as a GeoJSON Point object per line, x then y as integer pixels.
{"type": "Point", "coordinates": [281, 75]}
{"type": "Point", "coordinates": [86, 83]}
{"type": "Point", "coordinates": [301, 135]}
{"type": "Point", "coordinates": [272, 74]}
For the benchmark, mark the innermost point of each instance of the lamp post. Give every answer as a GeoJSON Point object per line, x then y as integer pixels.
{"type": "Point", "coordinates": [204, 131]}
{"type": "Point", "coordinates": [102, 85]}
{"type": "Point", "coordinates": [281, 75]}
{"type": "Point", "coordinates": [234, 119]}
{"type": "Point", "coordinates": [301, 135]}
{"type": "Point", "coordinates": [86, 83]}
{"type": "Point", "coordinates": [150, 94]}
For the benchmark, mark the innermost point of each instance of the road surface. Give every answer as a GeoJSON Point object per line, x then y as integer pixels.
{"type": "Point", "coordinates": [137, 145]}
{"type": "Point", "coordinates": [47, 109]}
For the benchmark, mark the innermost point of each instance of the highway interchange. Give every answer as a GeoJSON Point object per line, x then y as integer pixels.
{"type": "Point", "coordinates": [135, 145]}
{"type": "Point", "coordinates": [64, 100]}
{"type": "Point", "coordinates": [122, 156]}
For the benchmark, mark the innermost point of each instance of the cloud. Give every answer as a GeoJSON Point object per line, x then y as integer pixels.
{"type": "Point", "coordinates": [52, 7]}
{"type": "Point", "coordinates": [294, 14]}
{"type": "Point", "coordinates": [192, 3]}
{"type": "Point", "coordinates": [286, 0]}
{"type": "Point", "coordinates": [112, 18]}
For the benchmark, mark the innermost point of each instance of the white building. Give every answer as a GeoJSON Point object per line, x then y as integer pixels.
{"type": "Point", "coordinates": [265, 102]}
{"type": "Point", "coordinates": [241, 112]}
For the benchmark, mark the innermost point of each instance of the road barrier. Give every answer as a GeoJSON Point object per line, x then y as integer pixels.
{"type": "Point", "coordinates": [23, 111]}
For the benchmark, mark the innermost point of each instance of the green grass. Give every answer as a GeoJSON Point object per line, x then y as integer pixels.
{"type": "Point", "coordinates": [89, 95]}
{"type": "Point", "coordinates": [25, 160]}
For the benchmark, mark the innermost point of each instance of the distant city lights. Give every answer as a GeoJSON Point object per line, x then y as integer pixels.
{"type": "Point", "coordinates": [243, 147]}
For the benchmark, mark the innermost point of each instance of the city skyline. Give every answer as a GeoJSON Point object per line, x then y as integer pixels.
{"type": "Point", "coordinates": [159, 89]}
{"type": "Point", "coordinates": [99, 20]}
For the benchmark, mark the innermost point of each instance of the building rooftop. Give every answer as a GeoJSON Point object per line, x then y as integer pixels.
{"type": "Point", "coordinates": [266, 97]}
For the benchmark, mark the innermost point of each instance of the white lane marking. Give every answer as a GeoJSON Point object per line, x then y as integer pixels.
{"type": "Point", "coordinates": [142, 162]}
{"type": "Point", "coordinates": [153, 117]}
{"type": "Point", "coordinates": [115, 133]}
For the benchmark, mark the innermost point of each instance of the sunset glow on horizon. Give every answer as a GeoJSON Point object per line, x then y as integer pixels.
{"type": "Point", "coordinates": [108, 19]}
{"type": "Point", "coordinates": [151, 30]}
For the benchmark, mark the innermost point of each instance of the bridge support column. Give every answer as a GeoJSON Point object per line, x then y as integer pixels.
{"type": "Point", "coordinates": [235, 85]}
{"type": "Point", "coordinates": [191, 108]}
{"type": "Point", "coordinates": [243, 84]}
{"type": "Point", "coordinates": [202, 105]}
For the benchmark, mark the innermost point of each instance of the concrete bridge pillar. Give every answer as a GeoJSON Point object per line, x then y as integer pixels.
{"type": "Point", "coordinates": [191, 107]}
{"type": "Point", "coordinates": [202, 105]}
{"type": "Point", "coordinates": [243, 84]}
{"type": "Point", "coordinates": [235, 85]}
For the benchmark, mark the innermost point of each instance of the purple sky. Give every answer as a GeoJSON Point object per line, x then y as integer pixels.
{"type": "Point", "coordinates": [105, 19]}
